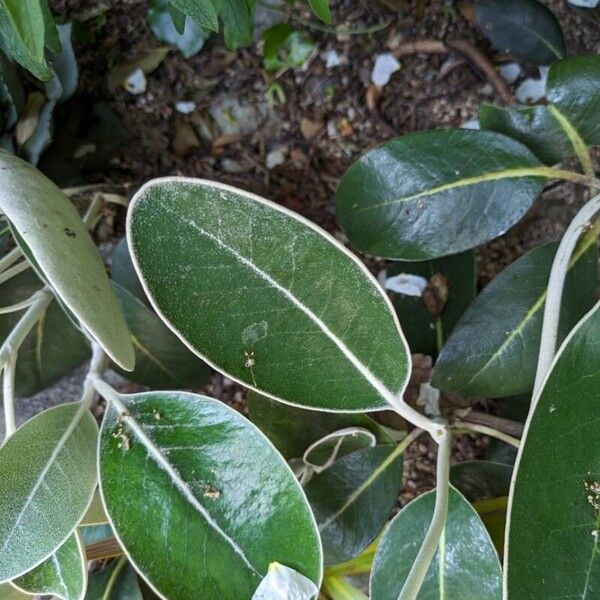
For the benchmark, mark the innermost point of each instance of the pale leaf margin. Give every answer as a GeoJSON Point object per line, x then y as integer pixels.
{"type": "Point", "coordinates": [154, 450]}
{"type": "Point", "coordinates": [392, 398]}
{"type": "Point", "coordinates": [531, 414]}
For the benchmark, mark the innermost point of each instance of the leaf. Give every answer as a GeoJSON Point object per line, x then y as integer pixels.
{"type": "Point", "coordinates": [283, 583]}
{"type": "Point", "coordinates": [339, 588]}
{"type": "Point", "coordinates": [526, 28]}
{"type": "Point", "coordinates": [434, 193]}
{"type": "Point", "coordinates": [52, 39]}
{"type": "Point", "coordinates": [237, 22]}
{"type": "Point", "coordinates": [192, 465]}
{"type": "Point", "coordinates": [494, 348]}
{"type": "Point", "coordinates": [481, 479]}
{"type": "Point", "coordinates": [117, 581]}
{"type": "Point", "coordinates": [188, 41]}
{"type": "Point", "coordinates": [285, 47]}
{"type": "Point", "coordinates": [161, 360]}
{"type": "Point", "coordinates": [53, 347]}
{"type": "Point", "coordinates": [230, 260]}
{"type": "Point", "coordinates": [123, 272]}
{"type": "Point", "coordinates": [22, 28]}
{"type": "Point", "coordinates": [147, 62]}
{"type": "Point", "coordinates": [464, 566]}
{"type": "Point", "coordinates": [8, 592]}
{"type": "Point", "coordinates": [426, 332]}
{"type": "Point", "coordinates": [63, 574]}
{"type": "Point", "coordinates": [62, 249]}
{"type": "Point", "coordinates": [534, 126]}
{"type": "Point", "coordinates": [493, 516]}
{"type": "Point", "coordinates": [204, 13]}
{"type": "Point", "coordinates": [12, 94]}
{"type": "Point", "coordinates": [95, 515]}
{"type": "Point", "coordinates": [335, 445]}
{"type": "Point", "coordinates": [554, 509]}
{"type": "Point", "coordinates": [292, 430]}
{"type": "Point", "coordinates": [321, 9]}
{"type": "Point", "coordinates": [353, 498]}
{"type": "Point", "coordinates": [48, 470]}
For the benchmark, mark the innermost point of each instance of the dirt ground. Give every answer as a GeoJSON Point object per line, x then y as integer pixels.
{"type": "Point", "coordinates": [327, 118]}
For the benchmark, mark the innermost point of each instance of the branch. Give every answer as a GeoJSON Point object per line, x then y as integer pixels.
{"type": "Point", "coordinates": [507, 439]}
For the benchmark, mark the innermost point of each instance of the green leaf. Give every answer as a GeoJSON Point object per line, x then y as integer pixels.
{"type": "Point", "coordinates": [434, 193]}
{"type": "Point", "coordinates": [321, 9]}
{"type": "Point", "coordinates": [464, 566]}
{"type": "Point", "coordinates": [481, 479]}
{"type": "Point", "coordinates": [217, 491]}
{"type": "Point", "coordinates": [573, 89]}
{"type": "Point", "coordinates": [237, 22]}
{"type": "Point", "coordinates": [266, 297]}
{"type": "Point", "coordinates": [336, 445]}
{"type": "Point", "coordinates": [292, 430]}
{"type": "Point", "coordinates": [188, 41]}
{"type": "Point", "coordinates": [534, 126]}
{"type": "Point", "coordinates": [23, 29]}
{"type": "Point", "coordinates": [494, 348]}
{"type": "Point", "coordinates": [526, 28]}
{"type": "Point", "coordinates": [52, 39]}
{"type": "Point", "coordinates": [161, 360]}
{"type": "Point", "coordinates": [53, 347]}
{"type": "Point", "coordinates": [95, 515]}
{"type": "Point", "coordinates": [285, 47]}
{"type": "Point", "coordinates": [8, 592]}
{"type": "Point", "coordinates": [554, 510]}
{"type": "Point", "coordinates": [12, 94]}
{"type": "Point", "coordinates": [117, 581]}
{"type": "Point", "coordinates": [123, 272]}
{"type": "Point", "coordinates": [62, 249]}
{"type": "Point", "coordinates": [353, 498]}
{"type": "Point", "coordinates": [204, 13]}
{"type": "Point", "coordinates": [64, 574]}
{"type": "Point", "coordinates": [426, 331]}
{"type": "Point", "coordinates": [48, 473]}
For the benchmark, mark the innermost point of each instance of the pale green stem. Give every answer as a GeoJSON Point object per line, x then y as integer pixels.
{"type": "Point", "coordinates": [508, 439]}
{"type": "Point", "coordinates": [13, 271]}
{"type": "Point", "coordinates": [17, 306]}
{"type": "Point", "coordinates": [420, 566]}
{"type": "Point", "coordinates": [10, 259]}
{"type": "Point", "coordinates": [8, 395]}
{"type": "Point", "coordinates": [580, 224]}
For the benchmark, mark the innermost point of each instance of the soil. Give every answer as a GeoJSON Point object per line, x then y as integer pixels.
{"type": "Point", "coordinates": [327, 118]}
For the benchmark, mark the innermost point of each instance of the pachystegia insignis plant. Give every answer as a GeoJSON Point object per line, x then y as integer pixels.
{"type": "Point", "coordinates": [201, 503]}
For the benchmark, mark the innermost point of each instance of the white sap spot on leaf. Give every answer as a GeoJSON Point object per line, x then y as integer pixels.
{"type": "Point", "coordinates": [407, 284]}
{"type": "Point", "coordinates": [532, 90]}
{"type": "Point", "coordinates": [254, 333]}
{"type": "Point", "coordinates": [283, 583]}
{"type": "Point", "coordinates": [385, 65]}
{"type": "Point", "coordinates": [136, 83]}
{"type": "Point", "coordinates": [185, 107]}
{"type": "Point", "coordinates": [510, 71]}
{"type": "Point", "coordinates": [552, 408]}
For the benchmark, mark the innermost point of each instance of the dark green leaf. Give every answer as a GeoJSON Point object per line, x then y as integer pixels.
{"type": "Point", "coordinates": [52, 38]}
{"type": "Point", "coordinates": [161, 360]}
{"type": "Point", "coordinates": [64, 574]}
{"type": "Point", "coordinates": [237, 22]}
{"type": "Point", "coordinates": [321, 9]}
{"type": "Point", "coordinates": [117, 581]}
{"type": "Point", "coordinates": [426, 332]}
{"type": "Point", "coordinates": [554, 510]}
{"type": "Point", "coordinates": [465, 566]}
{"type": "Point", "coordinates": [216, 491]}
{"type": "Point", "coordinates": [434, 193]}
{"type": "Point", "coordinates": [285, 47]}
{"type": "Point", "coordinates": [12, 95]}
{"type": "Point", "coordinates": [123, 272]}
{"type": "Point", "coordinates": [353, 498]}
{"type": "Point", "coordinates": [494, 348]}
{"type": "Point", "coordinates": [335, 445]}
{"type": "Point", "coordinates": [526, 28]}
{"type": "Point", "coordinates": [266, 296]}
{"type": "Point", "coordinates": [292, 430]}
{"type": "Point", "coordinates": [204, 13]}
{"type": "Point", "coordinates": [48, 473]}
{"type": "Point", "coordinates": [481, 479]}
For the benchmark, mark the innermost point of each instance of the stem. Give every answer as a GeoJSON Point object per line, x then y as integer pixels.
{"type": "Point", "coordinates": [487, 431]}
{"type": "Point", "coordinates": [580, 224]}
{"type": "Point", "coordinates": [420, 566]}
{"type": "Point", "coordinates": [17, 306]}
{"type": "Point", "coordinates": [435, 429]}
{"type": "Point", "coordinates": [12, 257]}
{"type": "Point", "coordinates": [572, 176]}
{"type": "Point", "coordinates": [12, 271]}
{"type": "Point", "coordinates": [512, 428]}
{"type": "Point", "coordinates": [8, 396]}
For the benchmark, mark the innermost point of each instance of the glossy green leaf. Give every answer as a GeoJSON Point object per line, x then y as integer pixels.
{"type": "Point", "coordinates": [494, 348]}
{"type": "Point", "coordinates": [353, 498]}
{"type": "Point", "coordinates": [64, 252]}
{"type": "Point", "coordinates": [117, 581]}
{"type": "Point", "coordinates": [435, 193]}
{"type": "Point", "coordinates": [48, 474]}
{"type": "Point", "coordinates": [217, 492]}
{"type": "Point", "coordinates": [266, 297]}
{"type": "Point", "coordinates": [481, 479]}
{"type": "Point", "coordinates": [189, 40]}
{"type": "Point", "coordinates": [464, 566]}
{"type": "Point", "coordinates": [526, 28]}
{"type": "Point", "coordinates": [292, 430]}
{"type": "Point", "coordinates": [573, 89]}
{"type": "Point", "coordinates": [321, 9]}
{"type": "Point", "coordinates": [237, 22]}
{"type": "Point", "coordinates": [161, 360]}
{"type": "Point", "coordinates": [53, 347]}
{"type": "Point", "coordinates": [204, 13]}
{"type": "Point", "coordinates": [493, 515]}
{"type": "Point", "coordinates": [554, 510]}
{"type": "Point", "coordinates": [426, 332]}
{"type": "Point", "coordinates": [533, 126]}
{"type": "Point", "coordinates": [23, 30]}
{"type": "Point", "coordinates": [63, 574]}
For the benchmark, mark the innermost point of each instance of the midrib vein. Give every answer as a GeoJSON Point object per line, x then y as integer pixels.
{"type": "Point", "coordinates": [150, 356]}
{"type": "Point", "coordinates": [381, 389]}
